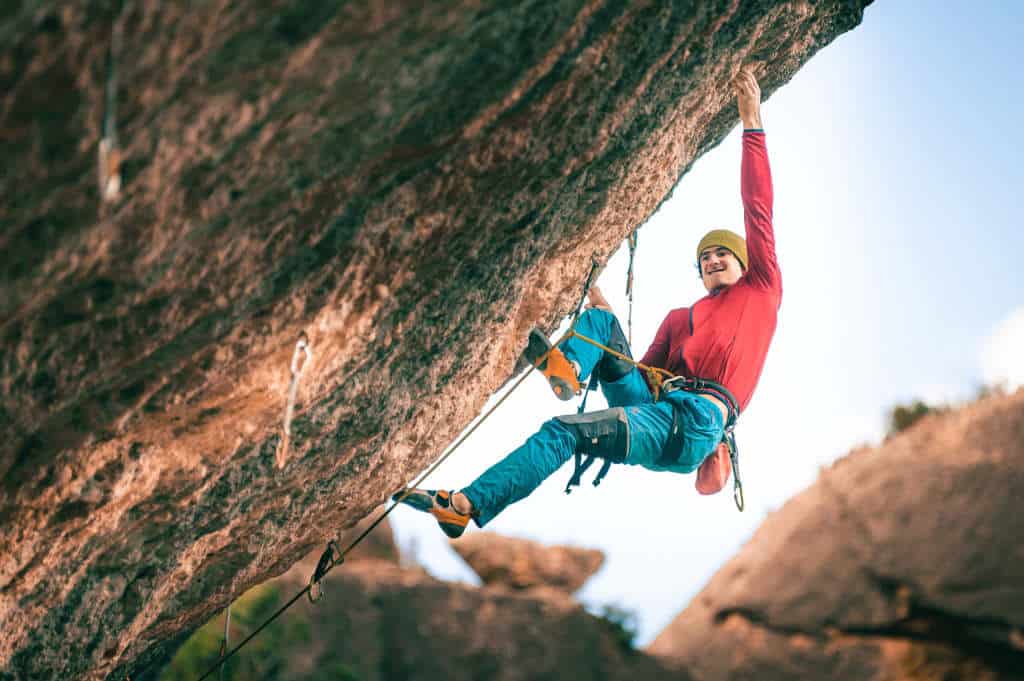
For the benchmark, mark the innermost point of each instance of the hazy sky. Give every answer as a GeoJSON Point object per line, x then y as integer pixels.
{"type": "Point", "coordinates": [895, 157]}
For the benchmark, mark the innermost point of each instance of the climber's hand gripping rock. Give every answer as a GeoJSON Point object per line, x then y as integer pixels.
{"type": "Point", "coordinates": [748, 98]}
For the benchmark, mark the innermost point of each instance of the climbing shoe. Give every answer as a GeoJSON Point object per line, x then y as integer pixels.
{"type": "Point", "coordinates": [556, 367]}
{"type": "Point", "coordinates": [438, 504]}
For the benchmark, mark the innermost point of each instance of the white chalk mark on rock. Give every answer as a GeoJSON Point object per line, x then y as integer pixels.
{"type": "Point", "coordinates": [301, 358]}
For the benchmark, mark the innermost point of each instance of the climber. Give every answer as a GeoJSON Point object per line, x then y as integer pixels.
{"type": "Point", "coordinates": [722, 338]}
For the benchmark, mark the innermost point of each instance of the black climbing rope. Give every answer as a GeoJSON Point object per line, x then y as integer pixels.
{"type": "Point", "coordinates": [332, 557]}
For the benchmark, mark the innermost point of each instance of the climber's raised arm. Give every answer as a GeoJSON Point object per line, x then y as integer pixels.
{"type": "Point", "coordinates": [756, 185]}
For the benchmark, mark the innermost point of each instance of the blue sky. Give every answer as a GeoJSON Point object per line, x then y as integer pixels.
{"type": "Point", "coordinates": [895, 160]}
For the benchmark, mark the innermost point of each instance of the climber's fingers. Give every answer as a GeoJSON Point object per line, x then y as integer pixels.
{"type": "Point", "coordinates": [745, 84]}
{"type": "Point", "coordinates": [596, 299]}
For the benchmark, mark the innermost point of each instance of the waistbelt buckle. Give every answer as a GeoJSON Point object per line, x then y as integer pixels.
{"type": "Point", "coordinates": [675, 383]}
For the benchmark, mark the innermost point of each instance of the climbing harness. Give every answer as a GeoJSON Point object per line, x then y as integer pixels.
{"type": "Point", "coordinates": [581, 464]}
{"type": "Point", "coordinates": [703, 386]}
{"type": "Point", "coordinates": [661, 382]}
{"type": "Point", "coordinates": [658, 379]}
{"type": "Point", "coordinates": [332, 557]}
{"type": "Point", "coordinates": [302, 352]}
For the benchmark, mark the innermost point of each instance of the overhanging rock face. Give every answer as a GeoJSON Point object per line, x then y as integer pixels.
{"type": "Point", "coordinates": [411, 185]}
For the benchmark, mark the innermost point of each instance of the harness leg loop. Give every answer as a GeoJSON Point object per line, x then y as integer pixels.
{"type": "Point", "coordinates": [600, 434]}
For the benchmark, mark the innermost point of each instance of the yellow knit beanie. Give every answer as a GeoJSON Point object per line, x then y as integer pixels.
{"type": "Point", "coordinates": [723, 237]}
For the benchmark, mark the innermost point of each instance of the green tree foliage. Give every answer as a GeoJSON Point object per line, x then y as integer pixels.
{"type": "Point", "coordinates": [902, 416]}
{"type": "Point", "coordinates": [623, 623]}
{"type": "Point", "coordinates": [266, 657]}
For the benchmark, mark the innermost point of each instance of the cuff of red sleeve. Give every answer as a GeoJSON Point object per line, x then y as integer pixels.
{"type": "Point", "coordinates": [746, 130]}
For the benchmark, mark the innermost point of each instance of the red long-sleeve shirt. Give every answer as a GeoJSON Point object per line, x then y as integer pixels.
{"type": "Point", "coordinates": [733, 328]}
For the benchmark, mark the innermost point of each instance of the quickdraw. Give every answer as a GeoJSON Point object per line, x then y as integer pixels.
{"type": "Point", "coordinates": [734, 459]}
{"type": "Point", "coordinates": [331, 556]}
{"type": "Point", "coordinates": [328, 559]}
{"type": "Point", "coordinates": [631, 242]}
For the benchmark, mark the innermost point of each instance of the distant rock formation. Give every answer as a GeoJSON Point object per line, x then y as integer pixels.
{"type": "Point", "coordinates": [520, 564]}
{"type": "Point", "coordinates": [408, 186]}
{"type": "Point", "coordinates": [379, 544]}
{"type": "Point", "coordinates": [406, 625]}
{"type": "Point", "coordinates": [380, 622]}
{"type": "Point", "coordinates": [901, 562]}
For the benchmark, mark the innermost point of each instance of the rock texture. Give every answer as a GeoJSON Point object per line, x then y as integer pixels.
{"type": "Point", "coordinates": [901, 562]}
{"type": "Point", "coordinates": [397, 181]}
{"type": "Point", "coordinates": [520, 564]}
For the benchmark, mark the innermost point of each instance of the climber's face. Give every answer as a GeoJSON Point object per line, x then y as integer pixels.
{"type": "Point", "coordinates": [719, 268]}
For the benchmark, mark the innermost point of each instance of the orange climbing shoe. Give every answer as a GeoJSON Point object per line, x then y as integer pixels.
{"type": "Point", "coordinates": [556, 367]}
{"type": "Point", "coordinates": [438, 504]}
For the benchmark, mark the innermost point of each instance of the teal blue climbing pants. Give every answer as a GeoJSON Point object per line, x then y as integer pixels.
{"type": "Point", "coordinates": [647, 424]}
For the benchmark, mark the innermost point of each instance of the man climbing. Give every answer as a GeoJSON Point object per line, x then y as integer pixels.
{"type": "Point", "coordinates": [721, 340]}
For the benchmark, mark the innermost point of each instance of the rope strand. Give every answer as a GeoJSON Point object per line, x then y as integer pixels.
{"type": "Point", "coordinates": [333, 562]}
{"type": "Point", "coordinates": [328, 561]}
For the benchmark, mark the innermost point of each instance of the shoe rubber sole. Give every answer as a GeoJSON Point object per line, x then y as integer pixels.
{"type": "Point", "coordinates": [451, 522]}
{"type": "Point", "coordinates": [452, 530]}
{"type": "Point", "coordinates": [416, 499]}
{"type": "Point", "coordinates": [562, 390]}
{"type": "Point", "coordinates": [537, 345]}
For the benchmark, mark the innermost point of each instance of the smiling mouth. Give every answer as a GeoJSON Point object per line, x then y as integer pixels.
{"type": "Point", "coordinates": [722, 269]}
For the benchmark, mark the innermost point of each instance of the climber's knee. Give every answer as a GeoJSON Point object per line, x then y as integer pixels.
{"type": "Point", "coordinates": [612, 368]}
{"type": "Point", "coordinates": [604, 434]}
